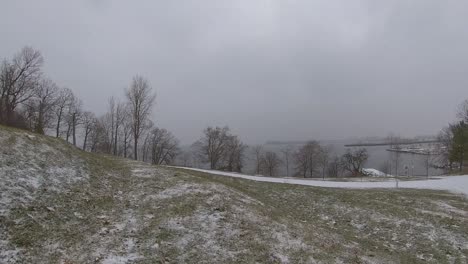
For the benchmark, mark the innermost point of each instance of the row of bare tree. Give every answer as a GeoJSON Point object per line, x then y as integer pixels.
{"type": "Point", "coordinates": [221, 150]}
{"type": "Point", "coordinates": [30, 100]}
{"type": "Point", "coordinates": [310, 160]}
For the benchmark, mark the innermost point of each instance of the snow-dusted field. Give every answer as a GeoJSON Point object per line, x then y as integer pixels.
{"type": "Point", "coordinates": [61, 205]}
{"type": "Point", "coordinates": [456, 184]}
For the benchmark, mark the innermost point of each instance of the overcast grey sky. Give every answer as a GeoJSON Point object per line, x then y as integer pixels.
{"type": "Point", "coordinates": [281, 70]}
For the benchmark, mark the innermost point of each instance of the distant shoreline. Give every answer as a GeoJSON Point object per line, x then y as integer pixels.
{"type": "Point", "coordinates": [391, 143]}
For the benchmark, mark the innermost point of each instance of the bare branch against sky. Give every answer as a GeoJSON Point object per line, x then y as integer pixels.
{"type": "Point", "coordinates": [285, 70]}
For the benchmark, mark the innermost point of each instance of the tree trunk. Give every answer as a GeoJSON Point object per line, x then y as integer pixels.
{"type": "Point", "coordinates": [59, 119]}
{"type": "Point", "coordinates": [74, 129]}
{"type": "Point", "coordinates": [135, 148]}
{"type": "Point", "coordinates": [85, 139]}
{"type": "Point", "coordinates": [40, 121]}
{"type": "Point", "coordinates": [68, 132]}
{"type": "Point", "coordinates": [84, 142]}
{"type": "Point", "coordinates": [115, 139]}
{"type": "Point", "coordinates": [125, 146]}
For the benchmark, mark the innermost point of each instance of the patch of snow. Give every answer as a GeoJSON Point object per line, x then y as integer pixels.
{"type": "Point", "coordinates": [180, 190]}
{"type": "Point", "coordinates": [449, 208]}
{"type": "Point", "coordinates": [209, 235]}
{"type": "Point", "coordinates": [114, 259]}
{"type": "Point", "coordinates": [8, 254]}
{"type": "Point", "coordinates": [26, 167]}
{"type": "Point", "coordinates": [143, 172]}
{"type": "Point", "coordinates": [26, 170]}
{"type": "Point", "coordinates": [374, 172]}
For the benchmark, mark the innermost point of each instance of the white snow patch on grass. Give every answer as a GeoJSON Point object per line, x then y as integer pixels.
{"type": "Point", "coordinates": [28, 163]}
{"type": "Point", "coordinates": [114, 259]}
{"type": "Point", "coordinates": [374, 172]}
{"type": "Point", "coordinates": [179, 190]}
{"type": "Point", "coordinates": [449, 208]}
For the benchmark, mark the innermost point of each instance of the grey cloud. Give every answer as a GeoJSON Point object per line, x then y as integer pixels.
{"type": "Point", "coordinates": [270, 69]}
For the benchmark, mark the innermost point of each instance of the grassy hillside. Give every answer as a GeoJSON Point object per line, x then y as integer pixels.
{"type": "Point", "coordinates": [62, 205]}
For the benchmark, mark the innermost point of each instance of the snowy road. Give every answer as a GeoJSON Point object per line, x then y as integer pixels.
{"type": "Point", "coordinates": [456, 184]}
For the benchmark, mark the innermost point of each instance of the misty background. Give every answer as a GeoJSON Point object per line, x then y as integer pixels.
{"type": "Point", "coordinates": [271, 70]}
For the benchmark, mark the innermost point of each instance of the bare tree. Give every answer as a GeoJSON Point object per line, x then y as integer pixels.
{"type": "Point", "coordinates": [111, 122]}
{"type": "Point", "coordinates": [334, 167]}
{"type": "Point", "coordinates": [73, 118]}
{"type": "Point", "coordinates": [18, 80]}
{"type": "Point", "coordinates": [120, 115]}
{"type": "Point", "coordinates": [287, 151]}
{"type": "Point", "coordinates": [98, 137]}
{"type": "Point", "coordinates": [126, 131]}
{"type": "Point", "coordinates": [106, 136]}
{"type": "Point", "coordinates": [234, 155]}
{"type": "Point", "coordinates": [164, 147]}
{"type": "Point", "coordinates": [444, 149]}
{"type": "Point", "coordinates": [89, 123]}
{"type": "Point", "coordinates": [462, 112]}
{"type": "Point", "coordinates": [212, 146]}
{"type": "Point", "coordinates": [43, 103]}
{"type": "Point", "coordinates": [307, 159]}
{"type": "Point", "coordinates": [353, 160]}
{"type": "Point", "coordinates": [26, 117]}
{"type": "Point", "coordinates": [145, 149]}
{"type": "Point", "coordinates": [115, 117]}
{"type": "Point", "coordinates": [324, 158]}
{"type": "Point", "coordinates": [258, 155]}
{"type": "Point", "coordinates": [62, 104]}
{"type": "Point", "coordinates": [141, 100]}
{"type": "Point", "coordinates": [271, 162]}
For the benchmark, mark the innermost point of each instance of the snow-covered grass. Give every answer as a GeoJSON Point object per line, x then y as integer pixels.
{"type": "Point", "coordinates": [124, 211]}
{"type": "Point", "coordinates": [365, 226]}
{"type": "Point", "coordinates": [456, 184]}
{"type": "Point", "coordinates": [29, 165]}
{"type": "Point", "coordinates": [32, 166]}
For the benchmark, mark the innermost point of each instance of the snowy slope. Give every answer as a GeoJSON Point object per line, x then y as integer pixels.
{"type": "Point", "coordinates": [456, 184]}
{"type": "Point", "coordinates": [31, 164]}
{"type": "Point", "coordinates": [68, 206]}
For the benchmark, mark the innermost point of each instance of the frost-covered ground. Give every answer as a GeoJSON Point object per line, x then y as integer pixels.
{"type": "Point", "coordinates": [85, 208]}
{"type": "Point", "coordinates": [29, 164]}
{"type": "Point", "coordinates": [456, 184]}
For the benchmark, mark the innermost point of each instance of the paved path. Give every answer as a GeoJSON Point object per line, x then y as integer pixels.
{"type": "Point", "coordinates": [456, 184]}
